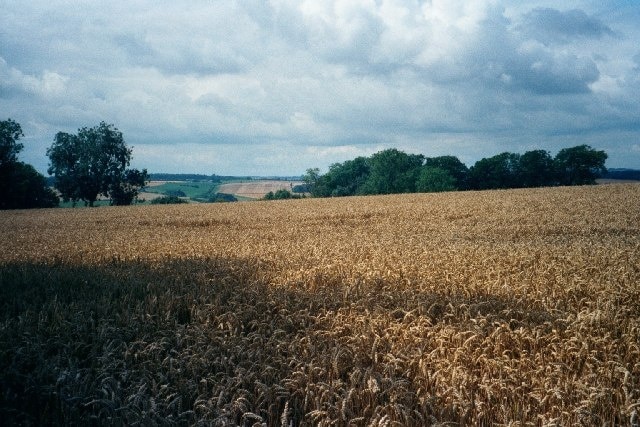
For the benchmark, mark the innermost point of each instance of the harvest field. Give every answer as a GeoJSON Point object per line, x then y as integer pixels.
{"type": "Point", "coordinates": [518, 307]}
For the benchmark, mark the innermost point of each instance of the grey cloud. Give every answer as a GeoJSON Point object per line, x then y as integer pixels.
{"type": "Point", "coordinates": [200, 51]}
{"type": "Point", "coordinates": [134, 45]}
{"type": "Point", "coordinates": [201, 56]}
{"type": "Point", "coordinates": [551, 73]}
{"type": "Point", "coordinates": [502, 59]}
{"type": "Point", "coordinates": [636, 60]}
{"type": "Point", "coordinates": [551, 26]}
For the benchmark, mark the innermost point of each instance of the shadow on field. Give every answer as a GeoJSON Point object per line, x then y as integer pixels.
{"type": "Point", "coordinates": [206, 340]}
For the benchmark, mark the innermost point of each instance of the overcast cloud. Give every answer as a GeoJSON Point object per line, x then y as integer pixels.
{"type": "Point", "coordinates": [261, 87]}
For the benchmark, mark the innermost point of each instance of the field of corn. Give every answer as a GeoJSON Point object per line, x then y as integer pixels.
{"type": "Point", "coordinates": [517, 307]}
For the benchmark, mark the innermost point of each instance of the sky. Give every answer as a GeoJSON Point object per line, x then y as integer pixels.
{"type": "Point", "coordinates": [274, 87]}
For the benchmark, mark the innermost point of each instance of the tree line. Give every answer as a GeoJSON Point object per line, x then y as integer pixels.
{"type": "Point", "coordinates": [94, 163]}
{"type": "Point", "coordinates": [392, 171]}
{"type": "Point", "coordinates": [88, 165]}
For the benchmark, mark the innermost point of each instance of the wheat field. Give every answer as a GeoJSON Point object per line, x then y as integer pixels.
{"type": "Point", "coordinates": [518, 308]}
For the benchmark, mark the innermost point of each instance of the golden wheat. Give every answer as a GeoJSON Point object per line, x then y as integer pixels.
{"type": "Point", "coordinates": [517, 307]}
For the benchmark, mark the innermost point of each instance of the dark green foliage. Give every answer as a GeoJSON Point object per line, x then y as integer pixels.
{"type": "Point", "coordinates": [200, 191]}
{"type": "Point", "coordinates": [433, 179]}
{"type": "Point", "coordinates": [125, 191]}
{"type": "Point", "coordinates": [311, 178]}
{"type": "Point", "coordinates": [21, 186]}
{"type": "Point", "coordinates": [537, 169]}
{"type": "Point", "coordinates": [386, 172]}
{"type": "Point", "coordinates": [10, 133]}
{"type": "Point", "coordinates": [343, 179]}
{"type": "Point", "coordinates": [222, 198]}
{"type": "Point", "coordinates": [500, 171]}
{"type": "Point", "coordinates": [453, 166]}
{"type": "Point", "coordinates": [391, 172]}
{"type": "Point", "coordinates": [281, 195]}
{"type": "Point", "coordinates": [301, 188]}
{"type": "Point", "coordinates": [168, 200]}
{"type": "Point", "coordinates": [94, 162]}
{"type": "Point", "coordinates": [27, 189]}
{"type": "Point", "coordinates": [580, 165]}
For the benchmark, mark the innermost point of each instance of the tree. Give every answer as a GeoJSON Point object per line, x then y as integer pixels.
{"type": "Point", "coordinates": [94, 162]}
{"type": "Point", "coordinates": [537, 169]}
{"type": "Point", "coordinates": [580, 165]}
{"type": "Point", "coordinates": [29, 189]}
{"type": "Point", "coordinates": [311, 178]}
{"type": "Point", "coordinates": [21, 186]}
{"type": "Point", "coordinates": [168, 200]}
{"type": "Point", "coordinates": [500, 171]}
{"type": "Point", "coordinates": [433, 179]}
{"type": "Point", "coordinates": [347, 179]}
{"type": "Point", "coordinates": [10, 133]}
{"type": "Point", "coordinates": [281, 194]}
{"type": "Point", "coordinates": [453, 166]}
{"type": "Point", "coordinates": [392, 171]}
{"type": "Point", "coordinates": [343, 179]}
{"type": "Point", "coordinates": [124, 192]}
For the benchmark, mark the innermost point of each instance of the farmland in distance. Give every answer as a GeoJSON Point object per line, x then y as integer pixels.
{"type": "Point", "coordinates": [516, 307]}
{"type": "Point", "coordinates": [257, 189]}
{"type": "Point", "coordinates": [198, 191]}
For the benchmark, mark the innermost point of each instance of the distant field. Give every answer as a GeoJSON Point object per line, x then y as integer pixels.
{"type": "Point", "coordinates": [199, 189]}
{"type": "Point", "coordinates": [513, 307]}
{"type": "Point", "coordinates": [257, 189]}
{"type": "Point", "coordinates": [187, 189]}
{"type": "Point", "coordinates": [617, 181]}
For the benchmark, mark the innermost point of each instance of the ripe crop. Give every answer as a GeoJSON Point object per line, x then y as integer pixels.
{"type": "Point", "coordinates": [517, 307]}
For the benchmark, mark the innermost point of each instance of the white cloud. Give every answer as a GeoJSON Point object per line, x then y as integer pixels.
{"type": "Point", "coordinates": [13, 81]}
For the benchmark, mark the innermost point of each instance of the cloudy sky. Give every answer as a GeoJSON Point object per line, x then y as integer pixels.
{"type": "Point", "coordinates": [273, 87]}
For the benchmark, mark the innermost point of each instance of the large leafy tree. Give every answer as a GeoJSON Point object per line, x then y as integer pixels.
{"type": "Point", "coordinates": [580, 165]}
{"type": "Point", "coordinates": [10, 134]}
{"type": "Point", "coordinates": [453, 166]}
{"type": "Point", "coordinates": [393, 171]}
{"type": "Point", "coordinates": [347, 178]}
{"type": "Point", "coordinates": [21, 186]}
{"type": "Point", "coordinates": [311, 178]}
{"type": "Point", "coordinates": [342, 179]}
{"type": "Point", "coordinates": [94, 162]}
{"type": "Point", "coordinates": [433, 179]}
{"type": "Point", "coordinates": [537, 169]}
{"type": "Point", "coordinates": [499, 171]}
{"type": "Point", "coordinates": [29, 189]}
